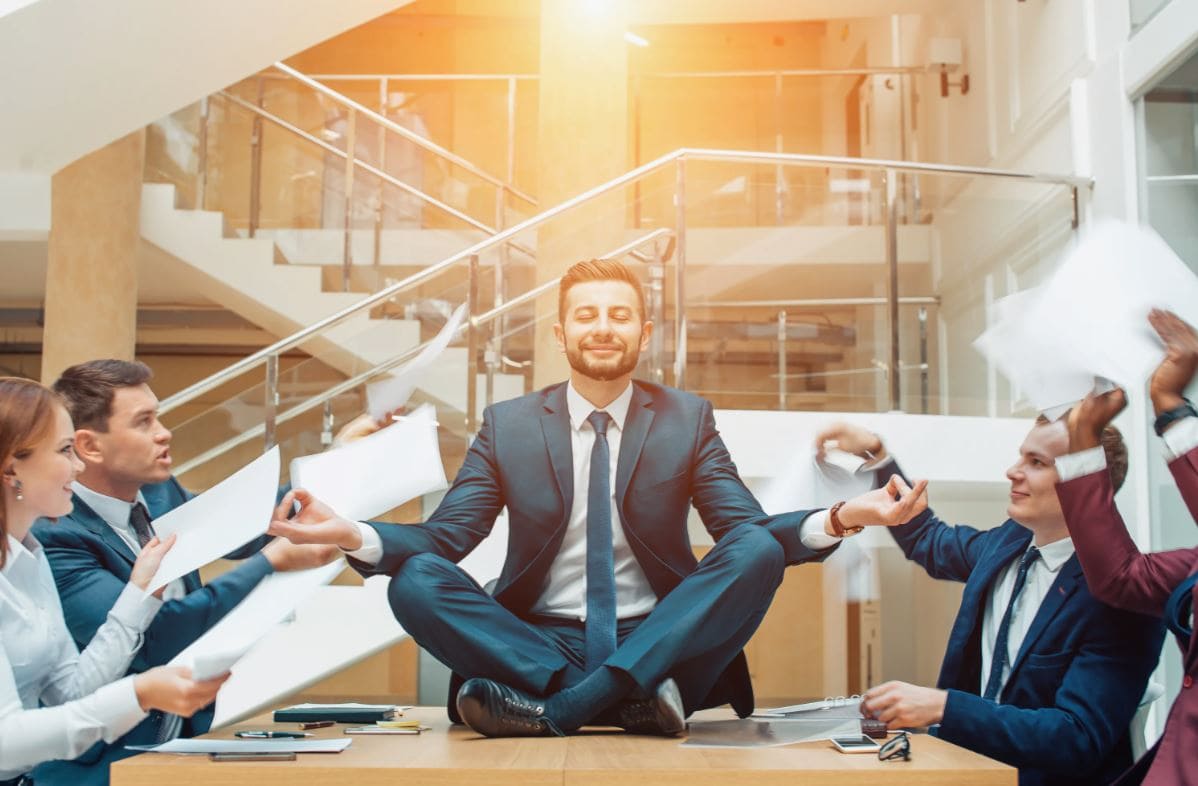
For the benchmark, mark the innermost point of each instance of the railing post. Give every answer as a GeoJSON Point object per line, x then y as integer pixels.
{"type": "Point", "coordinates": [326, 424]}
{"type": "Point", "coordinates": [347, 260]}
{"type": "Point", "coordinates": [472, 332]}
{"type": "Point", "coordinates": [202, 156]}
{"type": "Point", "coordinates": [680, 277]}
{"type": "Point", "coordinates": [923, 359]}
{"type": "Point", "coordinates": [782, 360]}
{"type": "Point", "coordinates": [382, 186]}
{"type": "Point", "coordinates": [779, 174]}
{"type": "Point", "coordinates": [271, 393]}
{"type": "Point", "coordinates": [657, 313]}
{"type": "Point", "coordinates": [256, 162]}
{"type": "Point", "coordinates": [491, 362]}
{"type": "Point", "coordinates": [889, 214]}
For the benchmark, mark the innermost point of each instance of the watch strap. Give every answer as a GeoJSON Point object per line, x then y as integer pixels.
{"type": "Point", "coordinates": [1163, 420]}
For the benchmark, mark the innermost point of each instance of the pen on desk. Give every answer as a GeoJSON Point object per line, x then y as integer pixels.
{"type": "Point", "coordinates": [272, 735]}
{"type": "Point", "coordinates": [316, 724]}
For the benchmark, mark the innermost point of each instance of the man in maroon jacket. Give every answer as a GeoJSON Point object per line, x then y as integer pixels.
{"type": "Point", "coordinates": [1118, 574]}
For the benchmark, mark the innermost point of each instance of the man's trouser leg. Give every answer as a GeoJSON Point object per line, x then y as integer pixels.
{"type": "Point", "coordinates": [695, 631]}
{"type": "Point", "coordinates": [452, 617]}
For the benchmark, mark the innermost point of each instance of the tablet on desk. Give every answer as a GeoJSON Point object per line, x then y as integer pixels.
{"type": "Point", "coordinates": [858, 744]}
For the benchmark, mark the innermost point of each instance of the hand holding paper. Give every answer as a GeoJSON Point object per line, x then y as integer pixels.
{"type": "Point", "coordinates": [228, 515]}
{"type": "Point", "coordinates": [1175, 372]}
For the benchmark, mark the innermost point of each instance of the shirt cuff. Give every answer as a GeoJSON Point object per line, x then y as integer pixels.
{"type": "Point", "coordinates": [117, 708]}
{"type": "Point", "coordinates": [885, 461]}
{"type": "Point", "coordinates": [812, 533]}
{"type": "Point", "coordinates": [1084, 462]}
{"type": "Point", "coordinates": [135, 608]}
{"type": "Point", "coordinates": [1181, 438]}
{"type": "Point", "coordinates": [371, 550]}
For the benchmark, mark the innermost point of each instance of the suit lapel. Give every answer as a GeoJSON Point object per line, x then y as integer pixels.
{"type": "Point", "coordinates": [1058, 594]}
{"type": "Point", "coordinates": [555, 426]}
{"type": "Point", "coordinates": [632, 441]}
{"type": "Point", "coordinates": [90, 519]}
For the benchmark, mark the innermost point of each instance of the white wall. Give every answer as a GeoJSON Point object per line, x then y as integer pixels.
{"type": "Point", "coordinates": [78, 74]}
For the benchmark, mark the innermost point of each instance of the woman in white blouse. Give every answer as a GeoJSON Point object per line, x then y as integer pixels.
{"type": "Point", "coordinates": [54, 701]}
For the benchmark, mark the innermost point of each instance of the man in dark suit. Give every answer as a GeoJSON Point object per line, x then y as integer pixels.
{"type": "Point", "coordinates": [601, 612]}
{"type": "Point", "coordinates": [125, 484]}
{"type": "Point", "coordinates": [1038, 673]}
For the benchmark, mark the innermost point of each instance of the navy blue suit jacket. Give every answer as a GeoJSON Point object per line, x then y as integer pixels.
{"type": "Point", "coordinates": [671, 456]}
{"type": "Point", "coordinates": [1064, 712]}
{"type": "Point", "coordinates": [91, 565]}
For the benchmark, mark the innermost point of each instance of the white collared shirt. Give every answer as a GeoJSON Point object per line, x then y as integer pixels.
{"type": "Point", "coordinates": [84, 696]}
{"type": "Point", "coordinates": [116, 513]}
{"type": "Point", "coordinates": [565, 593]}
{"type": "Point", "coordinates": [1040, 577]}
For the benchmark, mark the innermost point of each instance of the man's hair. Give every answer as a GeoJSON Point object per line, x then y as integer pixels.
{"type": "Point", "coordinates": [1113, 447]}
{"type": "Point", "coordinates": [598, 270]}
{"type": "Point", "coordinates": [88, 389]}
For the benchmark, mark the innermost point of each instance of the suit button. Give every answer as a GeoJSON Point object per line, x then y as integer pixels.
{"type": "Point", "coordinates": [1187, 682]}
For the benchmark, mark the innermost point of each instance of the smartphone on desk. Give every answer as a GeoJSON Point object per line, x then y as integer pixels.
{"type": "Point", "coordinates": [858, 744]}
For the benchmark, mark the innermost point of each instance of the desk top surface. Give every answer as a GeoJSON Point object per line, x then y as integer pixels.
{"type": "Point", "coordinates": [449, 755]}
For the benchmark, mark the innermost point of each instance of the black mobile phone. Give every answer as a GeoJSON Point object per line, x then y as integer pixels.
{"type": "Point", "coordinates": [264, 756]}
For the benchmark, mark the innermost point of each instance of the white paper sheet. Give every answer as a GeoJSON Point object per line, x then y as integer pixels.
{"type": "Point", "coordinates": [226, 516]}
{"type": "Point", "coordinates": [391, 393]}
{"type": "Point", "coordinates": [335, 628]}
{"type": "Point", "coordinates": [271, 602]}
{"type": "Point", "coordinates": [375, 474]}
{"type": "Point", "coordinates": [204, 746]}
{"type": "Point", "coordinates": [1090, 320]}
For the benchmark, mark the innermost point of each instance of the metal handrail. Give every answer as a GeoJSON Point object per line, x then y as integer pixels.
{"type": "Point", "coordinates": [411, 136]}
{"type": "Point", "coordinates": [347, 385]}
{"type": "Point", "coordinates": [679, 156]}
{"type": "Point", "coordinates": [369, 168]}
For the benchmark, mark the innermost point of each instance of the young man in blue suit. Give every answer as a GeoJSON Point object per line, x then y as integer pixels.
{"type": "Point", "coordinates": [125, 484]}
{"type": "Point", "coordinates": [1038, 673]}
{"type": "Point", "coordinates": [601, 613]}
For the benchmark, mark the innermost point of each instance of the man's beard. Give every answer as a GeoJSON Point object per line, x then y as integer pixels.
{"type": "Point", "coordinates": [604, 371]}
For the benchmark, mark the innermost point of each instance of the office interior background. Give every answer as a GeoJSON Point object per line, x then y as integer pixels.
{"type": "Point", "coordinates": [271, 204]}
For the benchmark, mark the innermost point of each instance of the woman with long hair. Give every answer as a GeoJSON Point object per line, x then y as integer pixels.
{"type": "Point", "coordinates": [56, 702]}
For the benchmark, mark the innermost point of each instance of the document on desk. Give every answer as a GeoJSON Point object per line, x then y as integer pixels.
{"type": "Point", "coordinates": [270, 603]}
{"type": "Point", "coordinates": [200, 746]}
{"type": "Point", "coordinates": [1089, 321]}
{"type": "Point", "coordinates": [772, 733]}
{"type": "Point", "coordinates": [375, 474]}
{"type": "Point", "coordinates": [223, 518]}
{"type": "Point", "coordinates": [391, 393]}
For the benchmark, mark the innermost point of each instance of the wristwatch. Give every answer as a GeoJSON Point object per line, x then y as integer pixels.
{"type": "Point", "coordinates": [837, 527]}
{"type": "Point", "coordinates": [1163, 420]}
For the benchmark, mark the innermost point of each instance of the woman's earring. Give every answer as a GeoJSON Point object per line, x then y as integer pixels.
{"type": "Point", "coordinates": [16, 485]}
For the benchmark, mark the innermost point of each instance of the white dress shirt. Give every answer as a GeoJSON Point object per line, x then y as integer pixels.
{"type": "Point", "coordinates": [84, 696]}
{"type": "Point", "coordinates": [565, 592]}
{"type": "Point", "coordinates": [1040, 576]}
{"type": "Point", "coordinates": [116, 513]}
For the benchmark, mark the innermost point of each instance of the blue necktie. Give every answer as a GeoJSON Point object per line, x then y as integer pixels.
{"type": "Point", "coordinates": [1000, 659]}
{"type": "Point", "coordinates": [601, 579]}
{"type": "Point", "coordinates": [1179, 608]}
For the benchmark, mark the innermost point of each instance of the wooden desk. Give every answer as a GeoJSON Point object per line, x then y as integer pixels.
{"type": "Point", "coordinates": [449, 756]}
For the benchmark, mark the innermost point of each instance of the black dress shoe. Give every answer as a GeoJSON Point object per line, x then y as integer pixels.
{"type": "Point", "coordinates": [496, 710]}
{"type": "Point", "coordinates": [660, 715]}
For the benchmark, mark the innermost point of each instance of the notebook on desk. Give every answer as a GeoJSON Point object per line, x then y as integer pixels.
{"type": "Point", "coordinates": [341, 713]}
{"type": "Point", "coordinates": [832, 707]}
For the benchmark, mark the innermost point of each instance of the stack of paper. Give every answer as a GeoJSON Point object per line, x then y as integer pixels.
{"type": "Point", "coordinates": [1089, 322]}
{"type": "Point", "coordinates": [204, 746]}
